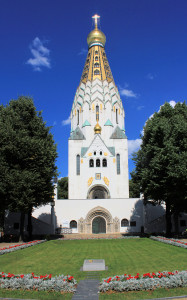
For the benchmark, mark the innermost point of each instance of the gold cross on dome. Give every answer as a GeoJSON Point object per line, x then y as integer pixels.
{"type": "Point", "coordinates": [96, 18]}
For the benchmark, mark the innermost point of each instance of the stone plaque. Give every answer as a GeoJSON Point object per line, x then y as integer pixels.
{"type": "Point", "coordinates": [94, 265]}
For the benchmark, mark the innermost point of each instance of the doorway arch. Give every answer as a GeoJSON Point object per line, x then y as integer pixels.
{"type": "Point", "coordinates": [98, 192]}
{"type": "Point", "coordinates": [98, 225]}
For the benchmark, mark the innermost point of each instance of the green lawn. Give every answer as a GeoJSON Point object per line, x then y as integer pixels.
{"type": "Point", "coordinates": [121, 256]}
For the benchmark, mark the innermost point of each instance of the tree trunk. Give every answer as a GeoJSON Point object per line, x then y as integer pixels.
{"type": "Point", "coordinates": [22, 222]}
{"type": "Point", "coordinates": [30, 224]}
{"type": "Point", "coordinates": [168, 218]}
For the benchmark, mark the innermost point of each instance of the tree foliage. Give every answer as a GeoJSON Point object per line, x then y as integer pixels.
{"type": "Point", "coordinates": [27, 157]}
{"type": "Point", "coordinates": [63, 188]}
{"type": "Point", "coordinates": [161, 162]}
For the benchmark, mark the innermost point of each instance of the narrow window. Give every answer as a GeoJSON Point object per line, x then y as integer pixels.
{"type": "Point", "coordinates": [104, 162]}
{"type": "Point", "coordinates": [97, 162]}
{"type": "Point", "coordinates": [94, 152]}
{"type": "Point", "coordinates": [116, 116]}
{"type": "Point", "coordinates": [77, 117]}
{"type": "Point", "coordinates": [91, 163]}
{"type": "Point", "coordinates": [78, 164]}
{"type": "Point", "coordinates": [73, 224]}
{"type": "Point", "coordinates": [96, 58]}
{"type": "Point", "coordinates": [124, 223]}
{"type": "Point", "coordinates": [96, 72]}
{"type": "Point", "coordinates": [97, 112]}
{"type": "Point", "coordinates": [118, 163]}
{"type": "Point", "coordinates": [101, 152]}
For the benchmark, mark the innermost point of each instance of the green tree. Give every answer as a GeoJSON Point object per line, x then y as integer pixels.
{"type": "Point", "coordinates": [134, 188]}
{"type": "Point", "coordinates": [63, 188]}
{"type": "Point", "coordinates": [161, 162]}
{"type": "Point", "coordinates": [27, 159]}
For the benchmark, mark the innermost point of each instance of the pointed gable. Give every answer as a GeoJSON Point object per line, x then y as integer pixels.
{"type": "Point", "coordinates": [77, 135]}
{"type": "Point", "coordinates": [118, 134]}
{"type": "Point", "coordinates": [98, 145]}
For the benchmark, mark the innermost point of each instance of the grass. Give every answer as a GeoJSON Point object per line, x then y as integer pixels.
{"type": "Point", "coordinates": [121, 256]}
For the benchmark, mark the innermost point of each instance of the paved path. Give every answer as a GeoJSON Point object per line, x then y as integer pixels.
{"type": "Point", "coordinates": [87, 289]}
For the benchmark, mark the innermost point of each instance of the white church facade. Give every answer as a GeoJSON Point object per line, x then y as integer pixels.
{"type": "Point", "coordinates": [98, 200]}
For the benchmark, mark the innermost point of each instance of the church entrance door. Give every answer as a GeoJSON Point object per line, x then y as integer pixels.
{"type": "Point", "coordinates": [99, 225]}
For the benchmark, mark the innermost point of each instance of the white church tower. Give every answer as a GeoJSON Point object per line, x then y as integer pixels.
{"type": "Point", "coordinates": [98, 153]}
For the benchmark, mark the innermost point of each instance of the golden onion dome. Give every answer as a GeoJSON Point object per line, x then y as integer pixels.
{"type": "Point", "coordinates": [97, 128]}
{"type": "Point", "coordinates": [96, 36]}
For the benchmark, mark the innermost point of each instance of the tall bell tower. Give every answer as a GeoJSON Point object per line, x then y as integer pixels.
{"type": "Point", "coordinates": [98, 152]}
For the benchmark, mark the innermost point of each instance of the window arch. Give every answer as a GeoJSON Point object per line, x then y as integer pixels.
{"type": "Point", "coordinates": [116, 116]}
{"type": "Point", "coordinates": [96, 65]}
{"type": "Point", "coordinates": [91, 163]}
{"type": "Point", "coordinates": [104, 162]}
{"type": "Point", "coordinates": [124, 223]}
{"type": "Point", "coordinates": [118, 163]}
{"type": "Point", "coordinates": [77, 116]}
{"type": "Point", "coordinates": [98, 163]}
{"type": "Point", "coordinates": [78, 164]}
{"type": "Point", "coordinates": [96, 72]}
{"type": "Point", "coordinates": [97, 112]}
{"type": "Point", "coordinates": [73, 224]}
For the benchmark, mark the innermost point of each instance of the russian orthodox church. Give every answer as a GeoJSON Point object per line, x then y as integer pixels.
{"type": "Point", "coordinates": [98, 153]}
{"type": "Point", "coordinates": [98, 200]}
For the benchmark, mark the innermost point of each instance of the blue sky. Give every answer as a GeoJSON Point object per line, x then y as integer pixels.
{"type": "Point", "coordinates": [43, 51]}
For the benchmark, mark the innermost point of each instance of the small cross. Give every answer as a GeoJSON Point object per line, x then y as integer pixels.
{"type": "Point", "coordinates": [96, 17]}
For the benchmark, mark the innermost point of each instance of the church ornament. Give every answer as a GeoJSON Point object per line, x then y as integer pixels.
{"type": "Point", "coordinates": [106, 181]}
{"type": "Point", "coordinates": [90, 180]}
{"type": "Point", "coordinates": [105, 153]}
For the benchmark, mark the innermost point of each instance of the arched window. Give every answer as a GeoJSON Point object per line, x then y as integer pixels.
{"type": "Point", "coordinates": [124, 223]}
{"type": "Point", "coordinates": [73, 224]}
{"type": "Point", "coordinates": [97, 112]}
{"type": "Point", "coordinates": [91, 163]}
{"type": "Point", "coordinates": [116, 116]}
{"type": "Point", "coordinates": [104, 162]}
{"type": "Point", "coordinates": [96, 65]}
{"type": "Point", "coordinates": [78, 164]}
{"type": "Point", "coordinates": [96, 52]}
{"type": "Point", "coordinates": [118, 163]}
{"type": "Point", "coordinates": [98, 162]}
{"type": "Point", "coordinates": [96, 72]}
{"type": "Point", "coordinates": [96, 58]}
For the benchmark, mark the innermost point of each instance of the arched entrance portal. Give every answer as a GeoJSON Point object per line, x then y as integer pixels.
{"type": "Point", "coordinates": [99, 225]}
{"type": "Point", "coordinates": [98, 192]}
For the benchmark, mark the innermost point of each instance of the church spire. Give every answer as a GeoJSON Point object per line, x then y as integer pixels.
{"type": "Point", "coordinates": [96, 65]}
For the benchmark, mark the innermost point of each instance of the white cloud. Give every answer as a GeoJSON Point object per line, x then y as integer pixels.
{"type": "Point", "coordinates": [128, 93]}
{"type": "Point", "coordinates": [83, 51]}
{"type": "Point", "coordinates": [40, 55]}
{"type": "Point", "coordinates": [133, 145]}
{"type": "Point", "coordinates": [172, 103]}
{"type": "Point", "coordinates": [66, 122]}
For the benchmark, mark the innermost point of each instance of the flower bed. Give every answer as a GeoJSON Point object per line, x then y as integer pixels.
{"type": "Point", "coordinates": [173, 242]}
{"type": "Point", "coordinates": [19, 246]}
{"type": "Point", "coordinates": [59, 283]}
{"type": "Point", "coordinates": [147, 281]}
